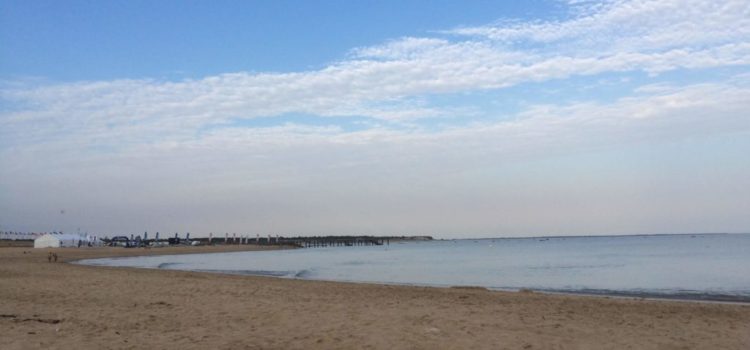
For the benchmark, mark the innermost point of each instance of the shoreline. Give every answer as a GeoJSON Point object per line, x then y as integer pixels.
{"type": "Point", "coordinates": [613, 295]}
{"type": "Point", "coordinates": [48, 305]}
{"type": "Point", "coordinates": [679, 295]}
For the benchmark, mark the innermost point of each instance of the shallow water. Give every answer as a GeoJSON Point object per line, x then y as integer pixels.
{"type": "Point", "coordinates": [710, 267]}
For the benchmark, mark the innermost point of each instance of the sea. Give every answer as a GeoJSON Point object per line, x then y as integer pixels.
{"type": "Point", "coordinates": [711, 267]}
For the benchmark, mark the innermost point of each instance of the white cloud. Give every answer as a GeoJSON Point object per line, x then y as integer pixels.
{"type": "Point", "coordinates": [652, 36]}
{"type": "Point", "coordinates": [409, 47]}
{"type": "Point", "coordinates": [656, 112]}
{"type": "Point", "coordinates": [297, 177]}
{"type": "Point", "coordinates": [640, 25]}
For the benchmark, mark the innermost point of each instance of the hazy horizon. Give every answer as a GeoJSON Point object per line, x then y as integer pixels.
{"type": "Point", "coordinates": [465, 119]}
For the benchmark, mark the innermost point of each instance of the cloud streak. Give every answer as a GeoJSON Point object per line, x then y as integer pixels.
{"type": "Point", "coordinates": [652, 36]}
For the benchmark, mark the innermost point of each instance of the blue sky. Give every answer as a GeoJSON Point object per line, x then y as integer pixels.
{"type": "Point", "coordinates": [194, 39]}
{"type": "Point", "coordinates": [455, 119]}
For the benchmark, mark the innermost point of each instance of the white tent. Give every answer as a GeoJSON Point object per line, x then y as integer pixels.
{"type": "Point", "coordinates": [58, 241]}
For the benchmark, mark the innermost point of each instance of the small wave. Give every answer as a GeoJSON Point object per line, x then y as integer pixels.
{"type": "Point", "coordinates": [568, 267]}
{"type": "Point", "coordinates": [250, 272]}
{"type": "Point", "coordinates": [658, 294]}
{"type": "Point", "coordinates": [166, 265]}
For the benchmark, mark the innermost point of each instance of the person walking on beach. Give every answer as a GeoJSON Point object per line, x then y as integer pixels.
{"type": "Point", "coordinates": [49, 257]}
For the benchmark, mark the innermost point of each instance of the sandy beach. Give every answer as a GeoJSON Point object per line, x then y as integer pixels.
{"type": "Point", "coordinates": [67, 306]}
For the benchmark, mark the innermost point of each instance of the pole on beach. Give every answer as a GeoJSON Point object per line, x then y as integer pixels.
{"type": "Point", "coordinates": [210, 236]}
{"type": "Point", "coordinates": [226, 237]}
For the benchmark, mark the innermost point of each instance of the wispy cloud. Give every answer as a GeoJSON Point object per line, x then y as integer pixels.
{"type": "Point", "coordinates": [652, 36]}
{"type": "Point", "coordinates": [635, 26]}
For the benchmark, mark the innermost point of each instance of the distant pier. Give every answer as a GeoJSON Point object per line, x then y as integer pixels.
{"type": "Point", "coordinates": [317, 241]}
{"type": "Point", "coordinates": [244, 239]}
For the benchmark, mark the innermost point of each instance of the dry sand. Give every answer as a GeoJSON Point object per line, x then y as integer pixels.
{"type": "Point", "coordinates": [65, 306]}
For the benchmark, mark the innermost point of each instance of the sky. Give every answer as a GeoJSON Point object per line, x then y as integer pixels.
{"type": "Point", "coordinates": [445, 118]}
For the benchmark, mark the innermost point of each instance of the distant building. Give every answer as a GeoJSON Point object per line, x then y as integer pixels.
{"type": "Point", "coordinates": [58, 241]}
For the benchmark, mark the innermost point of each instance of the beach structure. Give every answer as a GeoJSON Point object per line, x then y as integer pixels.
{"type": "Point", "coordinates": [19, 236]}
{"type": "Point", "coordinates": [58, 240]}
{"type": "Point", "coordinates": [120, 241]}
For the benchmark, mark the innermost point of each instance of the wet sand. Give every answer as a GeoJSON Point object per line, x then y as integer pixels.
{"type": "Point", "coordinates": [66, 306]}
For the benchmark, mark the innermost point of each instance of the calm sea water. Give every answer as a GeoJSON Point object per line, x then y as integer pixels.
{"type": "Point", "coordinates": [712, 267]}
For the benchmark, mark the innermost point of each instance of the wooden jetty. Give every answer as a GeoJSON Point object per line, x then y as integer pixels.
{"type": "Point", "coordinates": [319, 241]}
{"type": "Point", "coordinates": [312, 242]}
{"type": "Point", "coordinates": [298, 241]}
